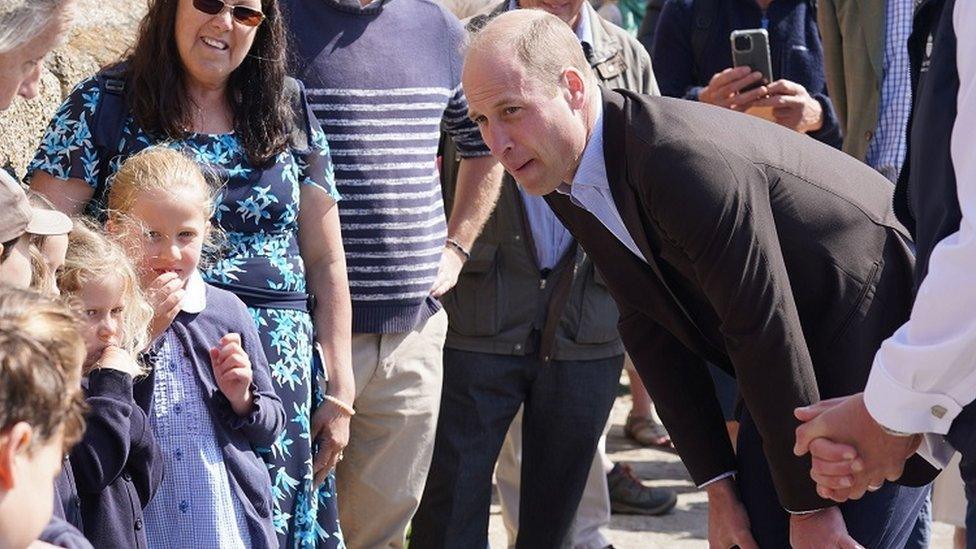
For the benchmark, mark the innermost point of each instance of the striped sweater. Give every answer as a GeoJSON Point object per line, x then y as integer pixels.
{"type": "Point", "coordinates": [383, 80]}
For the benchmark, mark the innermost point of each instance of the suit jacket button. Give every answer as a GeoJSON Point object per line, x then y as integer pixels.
{"type": "Point", "coordinates": [869, 135]}
{"type": "Point", "coordinates": [126, 477]}
{"type": "Point", "coordinates": [939, 411]}
{"type": "Point", "coordinates": [138, 524]}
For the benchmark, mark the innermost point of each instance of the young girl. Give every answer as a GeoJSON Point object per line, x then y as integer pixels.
{"type": "Point", "coordinates": [213, 402]}
{"type": "Point", "coordinates": [117, 465]}
{"type": "Point", "coordinates": [47, 250]}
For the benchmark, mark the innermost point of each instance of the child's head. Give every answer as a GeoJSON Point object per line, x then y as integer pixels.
{"type": "Point", "coordinates": [17, 221]}
{"type": "Point", "coordinates": [100, 283]}
{"type": "Point", "coordinates": [48, 250]}
{"type": "Point", "coordinates": [160, 204]}
{"type": "Point", "coordinates": [40, 408]}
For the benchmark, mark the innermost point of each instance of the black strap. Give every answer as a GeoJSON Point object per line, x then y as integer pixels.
{"type": "Point", "coordinates": [298, 132]}
{"type": "Point", "coordinates": [109, 120]}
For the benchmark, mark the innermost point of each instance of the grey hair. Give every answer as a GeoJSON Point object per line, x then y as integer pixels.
{"type": "Point", "coordinates": [22, 20]}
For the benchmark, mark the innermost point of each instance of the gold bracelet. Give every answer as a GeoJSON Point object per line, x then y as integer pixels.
{"type": "Point", "coordinates": [341, 405]}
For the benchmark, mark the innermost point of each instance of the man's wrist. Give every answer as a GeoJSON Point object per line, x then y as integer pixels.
{"type": "Point", "coordinates": [457, 248]}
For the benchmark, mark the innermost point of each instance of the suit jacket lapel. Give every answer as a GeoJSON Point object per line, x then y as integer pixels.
{"type": "Point", "coordinates": [614, 154]}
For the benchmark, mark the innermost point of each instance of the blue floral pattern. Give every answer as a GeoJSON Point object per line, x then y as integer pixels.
{"type": "Point", "coordinates": [258, 211]}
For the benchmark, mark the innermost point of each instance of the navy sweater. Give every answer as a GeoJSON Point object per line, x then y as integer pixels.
{"type": "Point", "coordinates": [382, 80]}
{"type": "Point", "coordinates": [796, 52]}
{"type": "Point", "coordinates": [117, 464]}
{"type": "Point", "coordinates": [237, 436]}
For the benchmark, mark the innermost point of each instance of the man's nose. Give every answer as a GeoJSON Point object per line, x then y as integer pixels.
{"type": "Point", "coordinates": [29, 87]}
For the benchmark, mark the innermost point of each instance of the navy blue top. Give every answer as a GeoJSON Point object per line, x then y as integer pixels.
{"type": "Point", "coordinates": [796, 52]}
{"type": "Point", "coordinates": [237, 436]}
{"type": "Point", "coordinates": [117, 464]}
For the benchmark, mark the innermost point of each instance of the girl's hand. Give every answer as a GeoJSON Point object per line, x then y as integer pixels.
{"type": "Point", "coordinates": [232, 370]}
{"type": "Point", "coordinates": [115, 358]}
{"type": "Point", "coordinates": [164, 293]}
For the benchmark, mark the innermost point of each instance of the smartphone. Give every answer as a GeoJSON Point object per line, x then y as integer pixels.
{"type": "Point", "coordinates": [750, 48]}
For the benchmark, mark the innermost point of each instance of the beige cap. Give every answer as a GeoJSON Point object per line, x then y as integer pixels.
{"type": "Point", "coordinates": [18, 217]}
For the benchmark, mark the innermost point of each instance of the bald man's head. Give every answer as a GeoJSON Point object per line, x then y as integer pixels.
{"type": "Point", "coordinates": [543, 45]}
{"type": "Point", "coordinates": [533, 96]}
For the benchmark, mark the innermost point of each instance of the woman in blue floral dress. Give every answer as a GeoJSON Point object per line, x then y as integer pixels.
{"type": "Point", "coordinates": [209, 79]}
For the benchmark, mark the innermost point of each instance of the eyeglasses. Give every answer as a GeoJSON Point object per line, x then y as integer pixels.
{"type": "Point", "coordinates": [242, 14]}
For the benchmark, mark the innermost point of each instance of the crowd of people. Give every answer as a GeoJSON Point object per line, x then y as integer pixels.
{"type": "Point", "coordinates": [315, 273]}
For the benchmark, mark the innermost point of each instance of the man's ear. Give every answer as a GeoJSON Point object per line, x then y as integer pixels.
{"type": "Point", "coordinates": [16, 440]}
{"type": "Point", "coordinates": [575, 86]}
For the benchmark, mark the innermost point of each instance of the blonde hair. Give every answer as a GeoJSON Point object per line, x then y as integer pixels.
{"type": "Point", "coordinates": [158, 168]}
{"type": "Point", "coordinates": [164, 169]}
{"type": "Point", "coordinates": [93, 256]}
{"type": "Point", "coordinates": [544, 45]}
{"type": "Point", "coordinates": [40, 274]}
{"type": "Point", "coordinates": [52, 339]}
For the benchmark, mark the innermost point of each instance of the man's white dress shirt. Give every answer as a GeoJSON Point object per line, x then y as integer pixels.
{"type": "Point", "coordinates": [925, 373]}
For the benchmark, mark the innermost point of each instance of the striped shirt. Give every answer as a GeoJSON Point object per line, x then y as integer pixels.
{"type": "Point", "coordinates": [382, 81]}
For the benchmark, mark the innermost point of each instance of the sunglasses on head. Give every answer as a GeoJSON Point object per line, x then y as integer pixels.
{"type": "Point", "coordinates": [242, 14]}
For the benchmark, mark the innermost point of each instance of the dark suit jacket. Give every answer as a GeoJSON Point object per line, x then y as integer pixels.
{"type": "Point", "coordinates": [771, 255]}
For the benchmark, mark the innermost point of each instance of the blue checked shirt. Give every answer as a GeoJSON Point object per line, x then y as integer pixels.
{"type": "Point", "coordinates": [886, 152]}
{"type": "Point", "coordinates": [194, 506]}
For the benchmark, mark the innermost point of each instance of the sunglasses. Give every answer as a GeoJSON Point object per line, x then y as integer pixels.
{"type": "Point", "coordinates": [242, 14]}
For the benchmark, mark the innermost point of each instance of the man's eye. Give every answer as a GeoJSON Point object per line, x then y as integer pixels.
{"type": "Point", "coordinates": [90, 313]}
{"type": "Point", "coordinates": [512, 110]}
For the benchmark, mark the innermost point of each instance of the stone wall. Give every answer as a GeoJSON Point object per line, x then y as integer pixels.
{"type": "Point", "coordinates": [103, 30]}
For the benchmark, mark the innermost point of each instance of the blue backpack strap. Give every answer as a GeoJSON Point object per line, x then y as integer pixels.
{"type": "Point", "coordinates": [110, 116]}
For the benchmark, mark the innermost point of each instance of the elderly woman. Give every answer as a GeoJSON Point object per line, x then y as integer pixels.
{"type": "Point", "coordinates": [29, 30]}
{"type": "Point", "coordinates": [208, 77]}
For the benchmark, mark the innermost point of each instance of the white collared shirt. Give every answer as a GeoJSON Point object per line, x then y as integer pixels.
{"type": "Point", "coordinates": [195, 298]}
{"type": "Point", "coordinates": [590, 189]}
{"type": "Point", "coordinates": [925, 373]}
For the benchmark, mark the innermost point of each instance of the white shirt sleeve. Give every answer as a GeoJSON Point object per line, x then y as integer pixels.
{"type": "Point", "coordinates": [926, 372]}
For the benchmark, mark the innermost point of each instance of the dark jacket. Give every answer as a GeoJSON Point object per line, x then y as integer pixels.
{"type": "Point", "coordinates": [237, 436]}
{"type": "Point", "coordinates": [926, 198]}
{"type": "Point", "coordinates": [776, 258]}
{"type": "Point", "coordinates": [794, 42]}
{"type": "Point", "coordinates": [66, 524]}
{"type": "Point", "coordinates": [501, 295]}
{"type": "Point", "coordinates": [117, 464]}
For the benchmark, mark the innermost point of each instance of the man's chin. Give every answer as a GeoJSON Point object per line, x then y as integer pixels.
{"type": "Point", "coordinates": [537, 188]}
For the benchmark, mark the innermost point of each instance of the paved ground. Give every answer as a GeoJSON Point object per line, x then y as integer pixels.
{"type": "Point", "coordinates": [686, 525]}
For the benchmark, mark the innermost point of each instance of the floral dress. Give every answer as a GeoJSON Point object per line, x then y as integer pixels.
{"type": "Point", "coordinates": [258, 212]}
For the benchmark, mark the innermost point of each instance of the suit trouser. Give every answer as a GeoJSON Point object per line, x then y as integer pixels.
{"type": "Point", "coordinates": [593, 513]}
{"type": "Point", "coordinates": [962, 436]}
{"type": "Point", "coordinates": [566, 405]}
{"type": "Point", "coordinates": [883, 519]}
{"type": "Point", "coordinates": [398, 384]}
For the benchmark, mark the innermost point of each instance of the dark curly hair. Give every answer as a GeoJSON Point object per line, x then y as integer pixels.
{"type": "Point", "coordinates": [156, 88]}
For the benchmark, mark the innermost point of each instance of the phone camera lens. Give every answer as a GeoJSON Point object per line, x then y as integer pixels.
{"type": "Point", "coordinates": [743, 43]}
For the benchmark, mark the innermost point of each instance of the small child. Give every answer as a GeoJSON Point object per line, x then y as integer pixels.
{"type": "Point", "coordinates": [40, 411]}
{"type": "Point", "coordinates": [18, 223]}
{"type": "Point", "coordinates": [213, 402]}
{"type": "Point", "coordinates": [49, 249]}
{"type": "Point", "coordinates": [117, 465]}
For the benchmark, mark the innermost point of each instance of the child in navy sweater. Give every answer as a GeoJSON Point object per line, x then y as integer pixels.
{"type": "Point", "coordinates": [117, 465]}
{"type": "Point", "coordinates": [213, 402]}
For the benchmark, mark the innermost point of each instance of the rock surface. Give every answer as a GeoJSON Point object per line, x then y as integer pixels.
{"type": "Point", "coordinates": [103, 30]}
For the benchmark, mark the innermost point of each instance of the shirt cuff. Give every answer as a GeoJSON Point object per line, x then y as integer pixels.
{"type": "Point", "coordinates": [716, 479]}
{"type": "Point", "coordinates": [902, 409]}
{"type": "Point", "coordinates": [804, 512]}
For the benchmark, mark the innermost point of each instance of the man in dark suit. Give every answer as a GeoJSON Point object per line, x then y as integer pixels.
{"type": "Point", "coordinates": [723, 238]}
